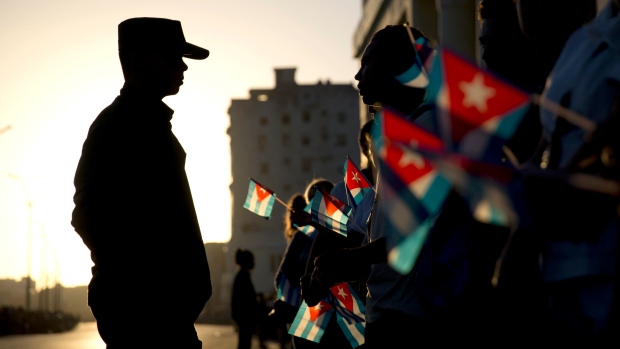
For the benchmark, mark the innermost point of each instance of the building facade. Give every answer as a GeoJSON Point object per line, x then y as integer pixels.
{"type": "Point", "coordinates": [283, 138]}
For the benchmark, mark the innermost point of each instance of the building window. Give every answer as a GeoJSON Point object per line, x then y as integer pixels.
{"type": "Point", "coordinates": [264, 168]}
{"type": "Point", "coordinates": [263, 120]}
{"type": "Point", "coordinates": [305, 140]}
{"type": "Point", "coordinates": [286, 161]}
{"type": "Point", "coordinates": [342, 117]}
{"type": "Point", "coordinates": [306, 117]}
{"type": "Point", "coordinates": [286, 119]}
{"type": "Point", "coordinates": [286, 187]}
{"type": "Point", "coordinates": [324, 134]}
{"type": "Point", "coordinates": [341, 140]}
{"type": "Point", "coordinates": [323, 113]}
{"type": "Point", "coordinates": [306, 165]}
{"type": "Point", "coordinates": [286, 140]}
{"type": "Point", "coordinates": [262, 143]}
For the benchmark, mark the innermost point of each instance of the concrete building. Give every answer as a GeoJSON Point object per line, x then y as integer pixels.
{"type": "Point", "coordinates": [283, 137]}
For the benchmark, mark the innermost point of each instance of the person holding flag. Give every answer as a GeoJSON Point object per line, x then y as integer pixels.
{"type": "Point", "coordinates": [393, 315]}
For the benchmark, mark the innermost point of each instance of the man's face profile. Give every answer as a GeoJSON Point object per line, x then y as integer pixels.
{"type": "Point", "coordinates": [161, 72]}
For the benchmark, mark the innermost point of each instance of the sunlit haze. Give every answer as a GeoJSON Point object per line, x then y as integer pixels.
{"type": "Point", "coordinates": [59, 68]}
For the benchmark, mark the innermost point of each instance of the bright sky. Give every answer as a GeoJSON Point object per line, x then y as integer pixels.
{"type": "Point", "coordinates": [59, 67]}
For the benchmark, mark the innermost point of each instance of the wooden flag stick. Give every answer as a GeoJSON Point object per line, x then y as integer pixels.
{"type": "Point", "coordinates": [569, 115]}
{"type": "Point", "coordinates": [284, 203]}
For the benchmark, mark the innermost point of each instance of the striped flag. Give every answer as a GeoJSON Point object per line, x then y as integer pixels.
{"type": "Point", "coordinates": [477, 111]}
{"type": "Point", "coordinates": [357, 185]}
{"type": "Point", "coordinates": [307, 229]}
{"type": "Point", "coordinates": [310, 322]}
{"type": "Point", "coordinates": [417, 74]}
{"type": "Point", "coordinates": [330, 212]}
{"type": "Point", "coordinates": [412, 189]}
{"type": "Point", "coordinates": [287, 292]}
{"type": "Point", "coordinates": [350, 313]}
{"type": "Point", "coordinates": [260, 199]}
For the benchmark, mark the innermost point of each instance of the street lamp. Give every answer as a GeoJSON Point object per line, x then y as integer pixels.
{"type": "Point", "coordinates": [29, 247]}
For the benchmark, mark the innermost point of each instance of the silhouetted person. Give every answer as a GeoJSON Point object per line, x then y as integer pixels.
{"type": "Point", "coordinates": [244, 305]}
{"type": "Point", "coordinates": [133, 205]}
{"type": "Point", "coordinates": [393, 317]}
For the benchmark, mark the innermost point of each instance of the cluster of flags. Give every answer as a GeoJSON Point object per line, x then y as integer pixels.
{"type": "Point", "coordinates": [310, 322]}
{"type": "Point", "coordinates": [475, 113]}
{"type": "Point", "coordinates": [324, 208]}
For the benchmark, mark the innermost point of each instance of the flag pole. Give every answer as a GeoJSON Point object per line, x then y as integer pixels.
{"type": "Point", "coordinates": [283, 203]}
{"type": "Point", "coordinates": [569, 115]}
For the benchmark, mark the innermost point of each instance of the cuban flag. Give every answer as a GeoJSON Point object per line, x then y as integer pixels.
{"type": "Point", "coordinates": [412, 188]}
{"type": "Point", "coordinates": [477, 111]}
{"type": "Point", "coordinates": [412, 194]}
{"type": "Point", "coordinates": [356, 183]}
{"type": "Point", "coordinates": [417, 75]}
{"type": "Point", "coordinates": [310, 322]}
{"type": "Point", "coordinates": [288, 292]}
{"type": "Point", "coordinates": [260, 199]}
{"type": "Point", "coordinates": [350, 313]}
{"type": "Point", "coordinates": [330, 212]}
{"type": "Point", "coordinates": [309, 230]}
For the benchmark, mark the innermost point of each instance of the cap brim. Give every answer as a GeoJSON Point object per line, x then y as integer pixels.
{"type": "Point", "coordinates": [195, 52]}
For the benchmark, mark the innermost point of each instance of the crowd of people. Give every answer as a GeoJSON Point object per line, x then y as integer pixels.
{"type": "Point", "coordinates": [548, 277]}
{"type": "Point", "coordinates": [552, 276]}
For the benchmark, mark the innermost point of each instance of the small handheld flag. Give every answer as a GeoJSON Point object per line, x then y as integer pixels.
{"type": "Point", "coordinates": [350, 313]}
{"type": "Point", "coordinates": [330, 212]}
{"type": "Point", "coordinates": [477, 111]}
{"type": "Point", "coordinates": [310, 322]}
{"type": "Point", "coordinates": [307, 229]}
{"type": "Point", "coordinates": [356, 183]}
{"type": "Point", "coordinates": [260, 199]}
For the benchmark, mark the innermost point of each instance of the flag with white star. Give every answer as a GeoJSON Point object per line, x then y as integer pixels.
{"type": "Point", "coordinates": [350, 313]}
{"type": "Point", "coordinates": [310, 322]}
{"type": "Point", "coordinates": [260, 199]}
{"type": "Point", "coordinates": [477, 111]}
{"type": "Point", "coordinates": [330, 212]}
{"type": "Point", "coordinates": [356, 183]}
{"type": "Point", "coordinates": [412, 192]}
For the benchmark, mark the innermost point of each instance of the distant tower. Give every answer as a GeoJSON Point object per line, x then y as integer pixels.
{"type": "Point", "coordinates": [284, 137]}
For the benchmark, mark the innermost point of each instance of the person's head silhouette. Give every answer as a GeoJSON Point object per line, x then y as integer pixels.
{"type": "Point", "coordinates": [151, 52]}
{"type": "Point", "coordinates": [389, 54]}
{"type": "Point", "coordinates": [244, 259]}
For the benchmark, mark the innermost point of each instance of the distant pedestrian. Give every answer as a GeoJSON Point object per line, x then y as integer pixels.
{"type": "Point", "coordinates": [244, 303]}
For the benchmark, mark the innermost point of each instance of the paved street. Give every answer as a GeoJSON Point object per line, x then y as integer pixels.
{"type": "Point", "coordinates": [85, 336]}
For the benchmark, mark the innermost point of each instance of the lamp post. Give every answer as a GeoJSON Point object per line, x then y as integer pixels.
{"type": "Point", "coordinates": [29, 247]}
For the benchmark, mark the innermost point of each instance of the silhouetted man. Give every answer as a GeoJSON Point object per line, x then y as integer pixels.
{"type": "Point", "coordinates": [133, 205]}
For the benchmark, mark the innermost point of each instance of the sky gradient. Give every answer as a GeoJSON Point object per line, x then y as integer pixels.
{"type": "Point", "coordinates": [59, 68]}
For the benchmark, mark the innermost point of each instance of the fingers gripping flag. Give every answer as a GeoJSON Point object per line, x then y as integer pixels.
{"type": "Point", "coordinates": [310, 322]}
{"type": "Point", "coordinates": [356, 183]}
{"type": "Point", "coordinates": [330, 212]}
{"type": "Point", "coordinates": [350, 313]}
{"type": "Point", "coordinates": [307, 229]}
{"type": "Point", "coordinates": [260, 199]}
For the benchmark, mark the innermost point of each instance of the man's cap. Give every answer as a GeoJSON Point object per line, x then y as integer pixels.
{"type": "Point", "coordinates": [157, 34]}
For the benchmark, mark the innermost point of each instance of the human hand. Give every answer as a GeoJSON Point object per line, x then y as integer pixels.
{"type": "Point", "coordinates": [300, 218]}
